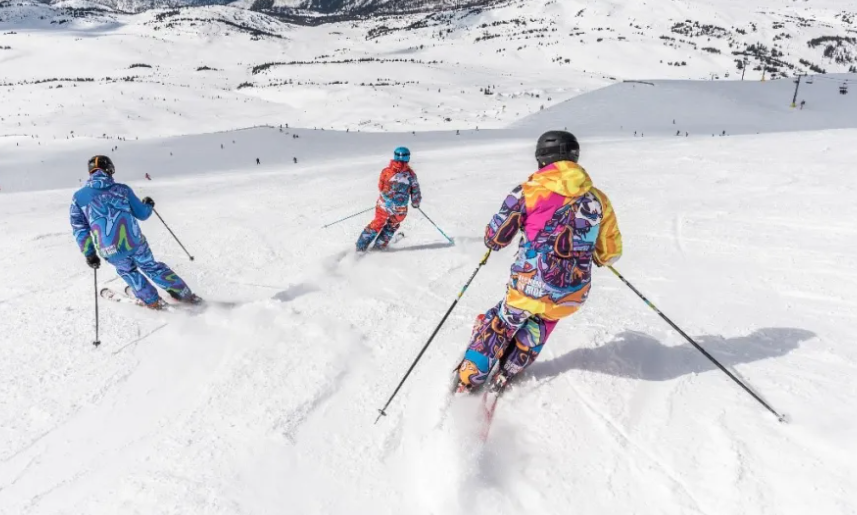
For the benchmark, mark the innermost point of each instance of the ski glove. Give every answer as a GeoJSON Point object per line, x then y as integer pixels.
{"type": "Point", "coordinates": [93, 261]}
{"type": "Point", "coordinates": [148, 201]}
{"type": "Point", "coordinates": [415, 205]}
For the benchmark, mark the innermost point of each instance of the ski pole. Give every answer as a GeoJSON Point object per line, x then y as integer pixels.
{"type": "Point", "coordinates": [347, 217]}
{"type": "Point", "coordinates": [382, 411]}
{"type": "Point", "coordinates": [173, 234]}
{"type": "Point", "coordinates": [97, 341]}
{"type": "Point", "coordinates": [781, 418]}
{"type": "Point", "coordinates": [435, 225]}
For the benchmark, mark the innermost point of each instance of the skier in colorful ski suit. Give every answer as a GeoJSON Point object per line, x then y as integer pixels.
{"type": "Point", "coordinates": [397, 184]}
{"type": "Point", "coordinates": [567, 225]}
{"type": "Point", "coordinates": [104, 218]}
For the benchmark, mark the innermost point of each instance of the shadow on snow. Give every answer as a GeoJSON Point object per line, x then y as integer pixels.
{"type": "Point", "coordinates": [426, 246]}
{"type": "Point", "coordinates": [640, 356]}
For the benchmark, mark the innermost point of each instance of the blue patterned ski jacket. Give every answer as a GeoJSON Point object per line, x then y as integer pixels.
{"type": "Point", "coordinates": [104, 217]}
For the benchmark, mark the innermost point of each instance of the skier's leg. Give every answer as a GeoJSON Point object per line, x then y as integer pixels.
{"type": "Point", "coordinates": [527, 344]}
{"type": "Point", "coordinates": [371, 231]}
{"type": "Point", "coordinates": [160, 273]}
{"type": "Point", "coordinates": [491, 336]}
{"type": "Point", "coordinates": [128, 271]}
{"type": "Point", "coordinates": [389, 230]}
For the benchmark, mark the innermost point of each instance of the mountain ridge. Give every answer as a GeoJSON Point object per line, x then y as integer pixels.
{"type": "Point", "coordinates": [286, 7]}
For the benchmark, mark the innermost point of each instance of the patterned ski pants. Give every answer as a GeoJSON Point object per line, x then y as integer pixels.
{"type": "Point", "coordinates": [492, 335]}
{"type": "Point", "coordinates": [130, 266]}
{"type": "Point", "coordinates": [384, 226]}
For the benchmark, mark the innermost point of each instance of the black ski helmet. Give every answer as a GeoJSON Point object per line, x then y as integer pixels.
{"type": "Point", "coordinates": [556, 146]}
{"type": "Point", "coordinates": [101, 163]}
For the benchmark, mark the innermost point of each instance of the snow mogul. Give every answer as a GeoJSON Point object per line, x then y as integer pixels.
{"type": "Point", "coordinates": [104, 218]}
{"type": "Point", "coordinates": [566, 225]}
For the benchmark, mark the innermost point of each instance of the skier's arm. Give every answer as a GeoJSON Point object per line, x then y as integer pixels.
{"type": "Point", "coordinates": [140, 210]}
{"type": "Point", "coordinates": [608, 246]}
{"type": "Point", "coordinates": [80, 228]}
{"type": "Point", "coordinates": [416, 194]}
{"type": "Point", "coordinates": [382, 181]}
{"type": "Point", "coordinates": [506, 224]}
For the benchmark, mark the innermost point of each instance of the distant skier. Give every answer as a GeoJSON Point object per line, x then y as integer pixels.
{"type": "Point", "coordinates": [104, 218]}
{"type": "Point", "coordinates": [148, 177]}
{"type": "Point", "coordinates": [258, 162]}
{"type": "Point", "coordinates": [397, 184]}
{"type": "Point", "coordinates": [296, 160]}
{"type": "Point", "coordinates": [566, 225]}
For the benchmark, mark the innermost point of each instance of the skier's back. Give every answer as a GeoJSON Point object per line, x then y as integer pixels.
{"type": "Point", "coordinates": [566, 225]}
{"type": "Point", "coordinates": [397, 185]}
{"type": "Point", "coordinates": [104, 218]}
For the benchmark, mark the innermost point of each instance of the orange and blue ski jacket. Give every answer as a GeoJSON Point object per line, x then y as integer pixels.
{"type": "Point", "coordinates": [398, 183]}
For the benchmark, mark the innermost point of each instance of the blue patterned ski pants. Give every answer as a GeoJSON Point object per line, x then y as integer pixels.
{"type": "Point", "coordinates": [130, 266]}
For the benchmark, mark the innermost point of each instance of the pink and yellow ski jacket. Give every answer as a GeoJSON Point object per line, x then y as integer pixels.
{"type": "Point", "coordinates": [567, 224]}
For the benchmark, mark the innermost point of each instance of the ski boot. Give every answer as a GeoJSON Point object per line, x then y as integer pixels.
{"type": "Point", "coordinates": [462, 389]}
{"type": "Point", "coordinates": [503, 375]}
{"type": "Point", "coordinates": [158, 305]}
{"type": "Point", "coordinates": [191, 298]}
{"type": "Point", "coordinates": [461, 378]}
{"type": "Point", "coordinates": [498, 382]}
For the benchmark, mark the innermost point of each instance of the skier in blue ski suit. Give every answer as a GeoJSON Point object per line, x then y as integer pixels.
{"type": "Point", "coordinates": [104, 218]}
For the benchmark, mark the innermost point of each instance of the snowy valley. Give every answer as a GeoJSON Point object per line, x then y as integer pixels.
{"type": "Point", "coordinates": [736, 208]}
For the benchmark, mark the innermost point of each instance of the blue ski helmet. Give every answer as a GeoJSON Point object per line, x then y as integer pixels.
{"type": "Point", "coordinates": [402, 154]}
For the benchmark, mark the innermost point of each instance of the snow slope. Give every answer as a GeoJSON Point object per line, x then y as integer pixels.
{"type": "Point", "coordinates": [699, 109]}
{"type": "Point", "coordinates": [269, 407]}
{"type": "Point", "coordinates": [184, 71]}
{"type": "Point", "coordinates": [667, 108]}
{"type": "Point", "coordinates": [746, 241]}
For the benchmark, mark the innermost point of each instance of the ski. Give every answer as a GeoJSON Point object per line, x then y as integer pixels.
{"type": "Point", "coordinates": [399, 236]}
{"type": "Point", "coordinates": [490, 397]}
{"type": "Point", "coordinates": [490, 394]}
{"type": "Point", "coordinates": [122, 298]}
{"type": "Point", "coordinates": [127, 297]}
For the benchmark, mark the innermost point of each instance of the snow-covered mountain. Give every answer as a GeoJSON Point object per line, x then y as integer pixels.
{"type": "Point", "coordinates": [367, 7]}
{"type": "Point", "coordinates": [353, 7]}
{"type": "Point", "coordinates": [253, 126]}
{"type": "Point", "coordinates": [455, 69]}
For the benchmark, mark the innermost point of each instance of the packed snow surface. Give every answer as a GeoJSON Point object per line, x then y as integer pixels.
{"type": "Point", "coordinates": [747, 241]}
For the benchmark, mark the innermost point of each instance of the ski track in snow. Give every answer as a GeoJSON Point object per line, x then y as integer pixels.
{"type": "Point", "coordinates": [204, 411]}
{"type": "Point", "coordinates": [270, 405]}
{"type": "Point", "coordinates": [624, 441]}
